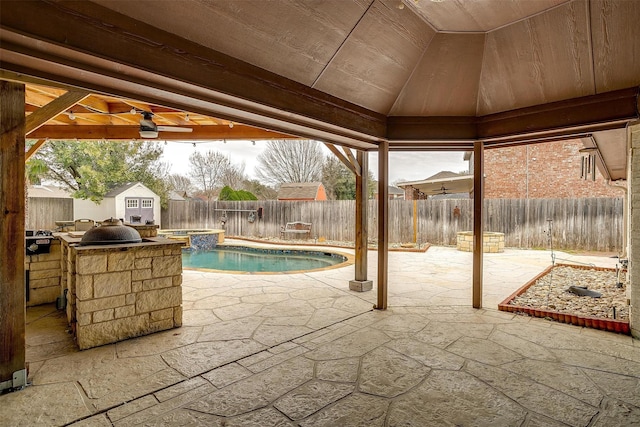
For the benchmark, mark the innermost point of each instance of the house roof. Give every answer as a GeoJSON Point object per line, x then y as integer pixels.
{"type": "Point", "coordinates": [174, 195]}
{"type": "Point", "coordinates": [299, 191]}
{"type": "Point", "coordinates": [392, 190]}
{"type": "Point", "coordinates": [443, 183]}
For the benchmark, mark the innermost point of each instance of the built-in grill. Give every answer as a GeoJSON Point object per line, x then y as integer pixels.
{"type": "Point", "coordinates": [38, 242]}
{"type": "Point", "coordinates": [110, 232]}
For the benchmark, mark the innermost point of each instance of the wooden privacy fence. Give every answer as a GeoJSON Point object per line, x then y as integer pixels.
{"type": "Point", "coordinates": [43, 212]}
{"type": "Point", "coordinates": [586, 224]}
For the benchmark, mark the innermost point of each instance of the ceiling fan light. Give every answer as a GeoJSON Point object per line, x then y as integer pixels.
{"type": "Point", "coordinates": [149, 134]}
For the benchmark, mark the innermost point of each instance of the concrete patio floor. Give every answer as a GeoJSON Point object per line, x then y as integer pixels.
{"type": "Point", "coordinates": [301, 349]}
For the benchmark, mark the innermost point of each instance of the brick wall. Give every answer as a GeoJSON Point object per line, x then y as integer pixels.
{"type": "Point", "coordinates": [541, 171]}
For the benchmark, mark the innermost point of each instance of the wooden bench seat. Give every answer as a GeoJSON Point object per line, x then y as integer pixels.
{"type": "Point", "coordinates": [296, 228]}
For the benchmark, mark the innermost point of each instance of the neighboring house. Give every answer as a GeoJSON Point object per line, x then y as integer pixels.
{"type": "Point", "coordinates": [443, 185]}
{"type": "Point", "coordinates": [540, 171]}
{"type": "Point", "coordinates": [132, 202]}
{"type": "Point", "coordinates": [395, 193]}
{"type": "Point", "coordinates": [308, 191]}
{"type": "Point", "coordinates": [548, 170]}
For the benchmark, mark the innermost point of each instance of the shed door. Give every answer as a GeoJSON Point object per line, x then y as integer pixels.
{"type": "Point", "coordinates": [146, 209]}
{"type": "Point", "coordinates": [138, 210]}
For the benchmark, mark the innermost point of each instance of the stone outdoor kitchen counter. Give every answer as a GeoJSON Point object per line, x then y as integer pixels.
{"type": "Point", "coordinates": [119, 291]}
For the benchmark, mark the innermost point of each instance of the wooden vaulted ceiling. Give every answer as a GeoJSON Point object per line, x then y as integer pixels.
{"type": "Point", "coordinates": [417, 73]}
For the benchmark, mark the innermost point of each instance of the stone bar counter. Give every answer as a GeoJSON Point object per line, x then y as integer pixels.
{"type": "Point", "coordinates": [120, 291]}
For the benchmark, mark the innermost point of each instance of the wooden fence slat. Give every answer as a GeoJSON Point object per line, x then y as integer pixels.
{"type": "Point", "coordinates": [586, 224]}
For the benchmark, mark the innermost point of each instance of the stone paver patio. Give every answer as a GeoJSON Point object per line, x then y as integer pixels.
{"type": "Point", "coordinates": [303, 350]}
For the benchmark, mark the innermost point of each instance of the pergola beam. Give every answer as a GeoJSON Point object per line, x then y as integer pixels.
{"type": "Point", "coordinates": [34, 149]}
{"type": "Point", "coordinates": [52, 109]}
{"type": "Point", "coordinates": [126, 132]}
{"type": "Point", "coordinates": [342, 158]}
{"type": "Point", "coordinates": [352, 159]}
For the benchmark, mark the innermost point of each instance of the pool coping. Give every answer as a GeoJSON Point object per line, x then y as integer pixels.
{"type": "Point", "coordinates": [267, 242]}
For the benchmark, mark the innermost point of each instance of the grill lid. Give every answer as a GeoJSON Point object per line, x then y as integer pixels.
{"type": "Point", "coordinates": [111, 231]}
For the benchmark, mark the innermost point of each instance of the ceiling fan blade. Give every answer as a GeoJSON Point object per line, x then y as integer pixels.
{"type": "Point", "coordinates": [174, 129]}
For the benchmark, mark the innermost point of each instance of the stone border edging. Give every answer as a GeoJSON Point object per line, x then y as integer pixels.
{"type": "Point", "coordinates": [609, 325]}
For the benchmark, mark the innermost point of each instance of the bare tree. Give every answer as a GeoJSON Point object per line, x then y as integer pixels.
{"type": "Point", "coordinates": [290, 161]}
{"type": "Point", "coordinates": [180, 183]}
{"type": "Point", "coordinates": [207, 171]}
{"type": "Point", "coordinates": [234, 176]}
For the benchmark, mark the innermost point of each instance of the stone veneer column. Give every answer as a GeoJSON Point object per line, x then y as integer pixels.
{"type": "Point", "coordinates": [126, 292]}
{"type": "Point", "coordinates": [634, 231]}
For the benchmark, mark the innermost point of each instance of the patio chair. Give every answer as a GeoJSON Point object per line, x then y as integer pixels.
{"type": "Point", "coordinates": [84, 224]}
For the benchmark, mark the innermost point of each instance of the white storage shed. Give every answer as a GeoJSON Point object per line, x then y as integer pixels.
{"type": "Point", "coordinates": [132, 202]}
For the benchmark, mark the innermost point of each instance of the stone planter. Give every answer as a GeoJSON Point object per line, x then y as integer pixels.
{"type": "Point", "coordinates": [492, 242]}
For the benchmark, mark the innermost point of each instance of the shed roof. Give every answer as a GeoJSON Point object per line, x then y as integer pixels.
{"type": "Point", "coordinates": [121, 189]}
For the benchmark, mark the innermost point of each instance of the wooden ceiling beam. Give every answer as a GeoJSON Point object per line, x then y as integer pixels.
{"type": "Point", "coordinates": [95, 104]}
{"type": "Point", "coordinates": [610, 110]}
{"type": "Point", "coordinates": [587, 113]}
{"type": "Point", "coordinates": [52, 109]}
{"type": "Point", "coordinates": [214, 132]}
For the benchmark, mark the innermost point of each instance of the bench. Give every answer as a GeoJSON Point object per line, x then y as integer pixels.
{"type": "Point", "coordinates": [297, 228]}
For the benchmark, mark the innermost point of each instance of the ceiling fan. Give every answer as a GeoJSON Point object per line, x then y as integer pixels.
{"type": "Point", "coordinates": [148, 128]}
{"type": "Point", "coordinates": [443, 190]}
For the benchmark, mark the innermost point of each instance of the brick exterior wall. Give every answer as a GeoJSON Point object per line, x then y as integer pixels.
{"type": "Point", "coordinates": [541, 171]}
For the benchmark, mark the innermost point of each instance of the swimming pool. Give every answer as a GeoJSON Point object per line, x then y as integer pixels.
{"type": "Point", "coordinates": [261, 260]}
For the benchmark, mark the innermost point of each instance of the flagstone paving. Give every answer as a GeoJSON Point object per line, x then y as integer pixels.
{"type": "Point", "coordinates": [303, 350]}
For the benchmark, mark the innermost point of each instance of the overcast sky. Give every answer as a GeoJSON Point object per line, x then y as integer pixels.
{"type": "Point", "coordinates": [406, 166]}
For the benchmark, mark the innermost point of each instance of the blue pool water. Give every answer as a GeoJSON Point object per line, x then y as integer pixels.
{"type": "Point", "coordinates": [258, 260]}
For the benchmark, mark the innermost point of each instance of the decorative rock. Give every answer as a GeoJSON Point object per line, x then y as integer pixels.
{"type": "Point", "coordinates": [550, 290]}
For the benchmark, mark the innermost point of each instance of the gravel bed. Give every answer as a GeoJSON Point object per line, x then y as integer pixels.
{"type": "Point", "coordinates": [550, 293]}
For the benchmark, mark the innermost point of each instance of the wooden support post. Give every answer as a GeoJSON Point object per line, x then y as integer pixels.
{"type": "Point", "coordinates": [415, 221]}
{"type": "Point", "coordinates": [12, 251]}
{"type": "Point", "coordinates": [478, 221]}
{"type": "Point", "coordinates": [360, 282]}
{"type": "Point", "coordinates": [383, 223]}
